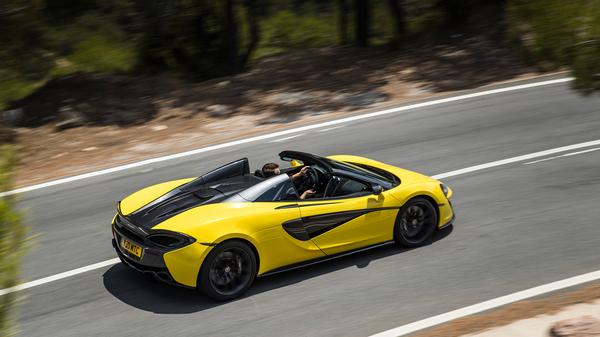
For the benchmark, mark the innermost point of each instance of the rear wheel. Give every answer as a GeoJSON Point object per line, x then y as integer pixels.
{"type": "Point", "coordinates": [415, 223]}
{"type": "Point", "coordinates": [228, 271]}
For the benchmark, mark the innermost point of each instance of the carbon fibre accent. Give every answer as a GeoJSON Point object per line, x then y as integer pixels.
{"type": "Point", "coordinates": [304, 205]}
{"type": "Point", "coordinates": [309, 227]}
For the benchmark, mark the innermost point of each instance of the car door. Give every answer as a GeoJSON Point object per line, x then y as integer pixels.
{"type": "Point", "coordinates": [275, 206]}
{"type": "Point", "coordinates": [349, 218]}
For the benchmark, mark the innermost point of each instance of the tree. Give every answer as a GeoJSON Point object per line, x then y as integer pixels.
{"type": "Point", "coordinates": [361, 10]}
{"type": "Point", "coordinates": [343, 21]}
{"type": "Point", "coordinates": [555, 33]}
{"type": "Point", "coordinates": [399, 15]}
{"type": "Point", "coordinates": [12, 245]}
{"type": "Point", "coordinates": [231, 37]}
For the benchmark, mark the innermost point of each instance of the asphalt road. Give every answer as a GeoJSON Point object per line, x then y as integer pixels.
{"type": "Point", "coordinates": [517, 226]}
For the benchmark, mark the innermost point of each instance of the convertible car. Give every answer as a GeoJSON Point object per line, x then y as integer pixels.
{"type": "Point", "coordinates": [219, 231]}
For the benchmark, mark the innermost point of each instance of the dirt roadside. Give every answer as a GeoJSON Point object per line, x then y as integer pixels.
{"type": "Point", "coordinates": [544, 305]}
{"type": "Point", "coordinates": [88, 122]}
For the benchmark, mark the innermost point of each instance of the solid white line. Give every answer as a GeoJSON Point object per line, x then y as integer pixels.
{"type": "Point", "coordinates": [332, 128]}
{"type": "Point", "coordinates": [490, 304]}
{"type": "Point", "coordinates": [59, 276]}
{"type": "Point", "coordinates": [284, 132]}
{"type": "Point", "coordinates": [439, 176]}
{"type": "Point", "coordinates": [286, 138]}
{"type": "Point", "coordinates": [517, 159]}
{"type": "Point", "coordinates": [562, 155]}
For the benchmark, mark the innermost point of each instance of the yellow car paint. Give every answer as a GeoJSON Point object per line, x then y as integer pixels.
{"type": "Point", "coordinates": [184, 263]}
{"type": "Point", "coordinates": [260, 223]}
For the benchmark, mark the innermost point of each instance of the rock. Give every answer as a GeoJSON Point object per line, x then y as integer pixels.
{"type": "Point", "coordinates": [158, 127]}
{"type": "Point", "coordinates": [290, 98]}
{"type": "Point", "coordinates": [314, 112]}
{"type": "Point", "coordinates": [451, 85]}
{"type": "Point", "coordinates": [366, 98]}
{"type": "Point", "coordinates": [219, 110]}
{"type": "Point", "coordinates": [69, 118]}
{"type": "Point", "coordinates": [584, 326]}
{"type": "Point", "coordinates": [68, 124]}
{"type": "Point", "coordinates": [7, 135]}
{"type": "Point", "coordinates": [222, 84]}
{"type": "Point", "coordinates": [12, 117]}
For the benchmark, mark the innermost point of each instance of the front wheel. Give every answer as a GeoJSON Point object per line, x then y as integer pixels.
{"type": "Point", "coordinates": [415, 223]}
{"type": "Point", "coordinates": [228, 271]}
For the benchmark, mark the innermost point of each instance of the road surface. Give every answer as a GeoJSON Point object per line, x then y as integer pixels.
{"type": "Point", "coordinates": [518, 225]}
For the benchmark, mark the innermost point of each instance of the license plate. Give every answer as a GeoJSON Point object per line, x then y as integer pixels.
{"type": "Point", "coordinates": [131, 247]}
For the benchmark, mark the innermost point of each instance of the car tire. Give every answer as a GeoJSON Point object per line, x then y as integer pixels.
{"type": "Point", "coordinates": [228, 271]}
{"type": "Point", "coordinates": [415, 223]}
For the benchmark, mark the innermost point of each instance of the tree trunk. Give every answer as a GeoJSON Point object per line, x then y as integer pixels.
{"type": "Point", "coordinates": [343, 21]}
{"type": "Point", "coordinates": [231, 37]}
{"type": "Point", "coordinates": [252, 15]}
{"type": "Point", "coordinates": [399, 15]}
{"type": "Point", "coordinates": [362, 22]}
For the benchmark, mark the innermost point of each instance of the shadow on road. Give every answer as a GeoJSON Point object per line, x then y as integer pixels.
{"type": "Point", "coordinates": [138, 291]}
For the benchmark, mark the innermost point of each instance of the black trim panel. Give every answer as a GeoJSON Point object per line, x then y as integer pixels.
{"type": "Point", "coordinates": [304, 205]}
{"type": "Point", "coordinates": [309, 227]}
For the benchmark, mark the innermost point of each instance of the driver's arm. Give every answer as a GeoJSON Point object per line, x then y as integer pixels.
{"type": "Point", "coordinates": [307, 193]}
{"type": "Point", "coordinates": [299, 174]}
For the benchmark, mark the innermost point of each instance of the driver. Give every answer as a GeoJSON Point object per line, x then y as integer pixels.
{"type": "Point", "coordinates": [272, 169]}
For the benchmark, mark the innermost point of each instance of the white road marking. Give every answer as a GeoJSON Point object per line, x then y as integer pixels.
{"type": "Point", "coordinates": [286, 138]}
{"type": "Point", "coordinates": [284, 132]}
{"type": "Point", "coordinates": [562, 155]}
{"type": "Point", "coordinates": [517, 159]}
{"type": "Point", "coordinates": [332, 128]}
{"type": "Point", "coordinates": [438, 176]}
{"type": "Point", "coordinates": [490, 304]}
{"type": "Point", "coordinates": [59, 276]}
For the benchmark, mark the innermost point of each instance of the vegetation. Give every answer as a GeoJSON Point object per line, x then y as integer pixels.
{"type": "Point", "coordinates": [556, 33]}
{"type": "Point", "coordinates": [199, 39]}
{"type": "Point", "coordinates": [12, 245]}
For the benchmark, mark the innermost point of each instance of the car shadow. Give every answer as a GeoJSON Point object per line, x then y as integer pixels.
{"type": "Point", "coordinates": [133, 288]}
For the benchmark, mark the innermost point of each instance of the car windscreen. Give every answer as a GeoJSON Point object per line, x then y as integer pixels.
{"type": "Point", "coordinates": [277, 188]}
{"type": "Point", "coordinates": [364, 171]}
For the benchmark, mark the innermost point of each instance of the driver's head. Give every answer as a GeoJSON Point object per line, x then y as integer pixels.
{"type": "Point", "coordinates": [270, 169]}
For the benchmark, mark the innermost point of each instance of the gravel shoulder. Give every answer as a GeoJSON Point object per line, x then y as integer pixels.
{"type": "Point", "coordinates": [87, 122]}
{"type": "Point", "coordinates": [531, 318]}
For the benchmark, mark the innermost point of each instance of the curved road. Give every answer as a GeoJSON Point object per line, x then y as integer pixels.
{"type": "Point", "coordinates": [518, 225]}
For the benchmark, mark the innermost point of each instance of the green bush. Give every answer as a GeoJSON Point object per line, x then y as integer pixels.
{"type": "Point", "coordinates": [288, 30]}
{"type": "Point", "coordinates": [12, 245]}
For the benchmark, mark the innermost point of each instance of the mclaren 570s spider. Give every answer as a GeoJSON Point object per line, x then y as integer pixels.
{"type": "Point", "coordinates": [219, 231]}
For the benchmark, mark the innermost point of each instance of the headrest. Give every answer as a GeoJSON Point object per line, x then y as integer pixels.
{"type": "Point", "coordinates": [259, 173]}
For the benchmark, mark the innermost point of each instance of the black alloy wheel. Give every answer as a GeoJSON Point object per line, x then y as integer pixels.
{"type": "Point", "coordinates": [415, 223]}
{"type": "Point", "coordinates": [228, 271]}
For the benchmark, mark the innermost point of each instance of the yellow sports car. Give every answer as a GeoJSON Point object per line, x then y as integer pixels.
{"type": "Point", "coordinates": [219, 231]}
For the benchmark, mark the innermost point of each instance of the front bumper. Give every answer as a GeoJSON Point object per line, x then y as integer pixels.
{"type": "Point", "coordinates": [447, 215]}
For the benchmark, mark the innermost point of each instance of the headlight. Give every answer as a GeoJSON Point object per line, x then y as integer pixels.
{"type": "Point", "coordinates": [445, 189]}
{"type": "Point", "coordinates": [168, 240]}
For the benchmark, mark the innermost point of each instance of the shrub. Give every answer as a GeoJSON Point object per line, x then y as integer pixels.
{"type": "Point", "coordinates": [12, 245]}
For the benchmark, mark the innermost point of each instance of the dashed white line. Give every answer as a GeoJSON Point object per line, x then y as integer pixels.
{"type": "Point", "coordinates": [490, 304]}
{"type": "Point", "coordinates": [517, 159]}
{"type": "Point", "coordinates": [286, 138]}
{"type": "Point", "coordinates": [438, 176]}
{"type": "Point", "coordinates": [562, 155]}
{"type": "Point", "coordinates": [284, 132]}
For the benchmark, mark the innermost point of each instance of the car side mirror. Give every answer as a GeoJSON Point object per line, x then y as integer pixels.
{"type": "Point", "coordinates": [377, 189]}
